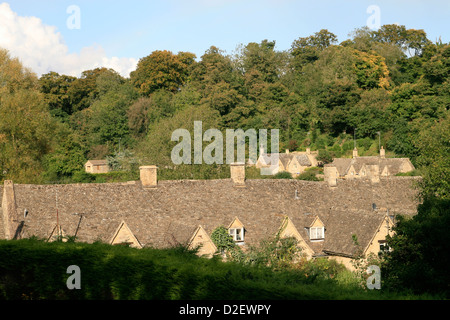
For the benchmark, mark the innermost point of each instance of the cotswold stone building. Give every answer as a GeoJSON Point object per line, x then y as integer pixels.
{"type": "Point", "coordinates": [163, 213]}
{"type": "Point", "coordinates": [293, 162]}
{"type": "Point", "coordinates": [96, 166]}
{"type": "Point", "coordinates": [366, 167]}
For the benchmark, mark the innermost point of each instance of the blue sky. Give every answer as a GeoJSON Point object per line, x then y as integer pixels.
{"type": "Point", "coordinates": [135, 28]}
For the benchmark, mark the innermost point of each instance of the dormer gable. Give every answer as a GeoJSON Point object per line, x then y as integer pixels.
{"type": "Point", "coordinates": [201, 241]}
{"type": "Point", "coordinates": [124, 236]}
{"type": "Point", "coordinates": [351, 171]}
{"type": "Point", "coordinates": [288, 230]}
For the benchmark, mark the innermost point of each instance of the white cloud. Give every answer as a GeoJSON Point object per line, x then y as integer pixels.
{"type": "Point", "coordinates": [41, 48]}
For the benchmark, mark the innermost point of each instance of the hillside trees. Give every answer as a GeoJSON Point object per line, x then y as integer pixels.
{"type": "Point", "coordinates": [392, 81]}
{"type": "Point", "coordinates": [162, 70]}
{"type": "Point", "coordinates": [421, 252]}
{"type": "Point", "coordinates": [26, 127]}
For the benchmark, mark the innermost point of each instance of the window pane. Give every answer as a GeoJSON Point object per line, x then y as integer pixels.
{"type": "Point", "coordinates": [320, 233]}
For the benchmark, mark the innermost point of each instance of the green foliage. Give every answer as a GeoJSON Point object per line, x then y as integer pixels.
{"type": "Point", "coordinates": [162, 70]}
{"type": "Point", "coordinates": [83, 177]}
{"type": "Point", "coordinates": [282, 175]}
{"type": "Point", "coordinates": [222, 239]}
{"type": "Point", "coordinates": [420, 250]}
{"type": "Point", "coordinates": [308, 175]}
{"type": "Point", "coordinates": [324, 156]}
{"type": "Point", "coordinates": [434, 155]}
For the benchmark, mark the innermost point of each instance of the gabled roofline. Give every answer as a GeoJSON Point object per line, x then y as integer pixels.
{"type": "Point", "coordinates": [283, 226]}
{"type": "Point", "coordinates": [197, 230]}
{"type": "Point", "coordinates": [314, 221]}
{"type": "Point", "coordinates": [236, 219]}
{"type": "Point", "coordinates": [375, 233]}
{"type": "Point", "coordinates": [124, 224]}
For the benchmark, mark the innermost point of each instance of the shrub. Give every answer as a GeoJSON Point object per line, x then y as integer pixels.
{"type": "Point", "coordinates": [324, 156]}
{"type": "Point", "coordinates": [308, 175]}
{"type": "Point", "coordinates": [83, 177]}
{"type": "Point", "coordinates": [283, 175]}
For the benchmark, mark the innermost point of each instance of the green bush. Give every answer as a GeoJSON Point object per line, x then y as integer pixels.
{"type": "Point", "coordinates": [83, 177]}
{"type": "Point", "coordinates": [36, 270]}
{"type": "Point", "coordinates": [282, 175]}
{"type": "Point", "coordinates": [308, 175]}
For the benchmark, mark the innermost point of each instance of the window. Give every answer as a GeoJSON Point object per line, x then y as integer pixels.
{"type": "Point", "coordinates": [383, 245]}
{"type": "Point", "coordinates": [317, 233]}
{"type": "Point", "coordinates": [237, 234]}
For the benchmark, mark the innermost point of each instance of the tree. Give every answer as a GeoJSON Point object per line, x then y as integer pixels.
{"type": "Point", "coordinates": [55, 88]}
{"type": "Point", "coordinates": [83, 91]}
{"type": "Point", "coordinates": [147, 110]}
{"type": "Point", "coordinates": [406, 39]}
{"type": "Point", "coordinates": [26, 127]}
{"type": "Point", "coordinates": [307, 49]}
{"type": "Point", "coordinates": [162, 70]}
{"type": "Point", "coordinates": [421, 245]}
{"type": "Point", "coordinates": [434, 153]}
{"type": "Point", "coordinates": [262, 59]}
{"type": "Point", "coordinates": [67, 158]}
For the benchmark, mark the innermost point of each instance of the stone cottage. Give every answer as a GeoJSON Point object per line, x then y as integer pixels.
{"type": "Point", "coordinates": [371, 168]}
{"type": "Point", "coordinates": [160, 214]}
{"type": "Point", "coordinates": [293, 162]}
{"type": "Point", "coordinates": [96, 166]}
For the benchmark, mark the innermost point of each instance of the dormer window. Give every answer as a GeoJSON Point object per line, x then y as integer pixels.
{"type": "Point", "coordinates": [237, 231]}
{"type": "Point", "coordinates": [317, 233]}
{"type": "Point", "coordinates": [316, 230]}
{"type": "Point", "coordinates": [237, 234]}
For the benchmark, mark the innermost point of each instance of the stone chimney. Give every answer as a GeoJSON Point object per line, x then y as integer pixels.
{"type": "Point", "coordinates": [308, 150]}
{"type": "Point", "coordinates": [355, 153]}
{"type": "Point", "coordinates": [149, 176]}
{"type": "Point", "coordinates": [238, 174]}
{"type": "Point", "coordinates": [382, 153]}
{"type": "Point", "coordinates": [9, 210]}
{"type": "Point", "coordinates": [330, 175]}
{"type": "Point", "coordinates": [287, 151]}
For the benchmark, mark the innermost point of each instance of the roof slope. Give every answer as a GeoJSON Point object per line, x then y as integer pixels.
{"type": "Point", "coordinates": [170, 213]}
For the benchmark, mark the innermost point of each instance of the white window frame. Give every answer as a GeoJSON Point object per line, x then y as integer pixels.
{"type": "Point", "coordinates": [237, 234]}
{"type": "Point", "coordinates": [316, 233]}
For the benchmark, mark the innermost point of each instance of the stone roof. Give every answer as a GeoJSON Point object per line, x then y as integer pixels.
{"type": "Point", "coordinates": [394, 164]}
{"type": "Point", "coordinates": [286, 158]}
{"type": "Point", "coordinates": [302, 159]}
{"type": "Point", "coordinates": [169, 214]}
{"type": "Point", "coordinates": [98, 162]}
